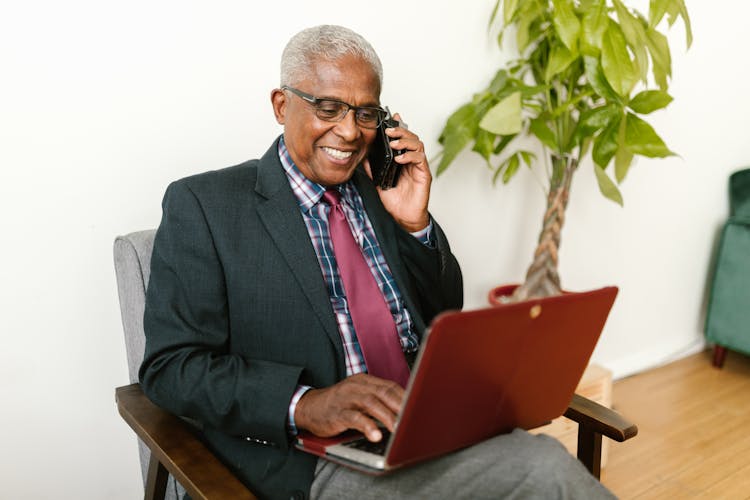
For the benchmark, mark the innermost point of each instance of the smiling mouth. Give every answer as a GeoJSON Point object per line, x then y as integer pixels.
{"type": "Point", "coordinates": [337, 154]}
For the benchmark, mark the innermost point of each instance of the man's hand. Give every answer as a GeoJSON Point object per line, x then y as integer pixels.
{"type": "Point", "coordinates": [353, 403]}
{"type": "Point", "coordinates": [407, 201]}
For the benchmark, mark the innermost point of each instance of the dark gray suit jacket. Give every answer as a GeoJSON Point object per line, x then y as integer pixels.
{"type": "Point", "coordinates": [237, 312]}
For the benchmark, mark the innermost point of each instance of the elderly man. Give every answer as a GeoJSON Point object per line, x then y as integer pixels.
{"type": "Point", "coordinates": [256, 329]}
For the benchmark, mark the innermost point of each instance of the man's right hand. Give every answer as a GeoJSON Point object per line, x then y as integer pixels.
{"type": "Point", "coordinates": [353, 403]}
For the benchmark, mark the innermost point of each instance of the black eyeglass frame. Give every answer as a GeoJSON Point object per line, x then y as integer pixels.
{"type": "Point", "coordinates": [316, 101]}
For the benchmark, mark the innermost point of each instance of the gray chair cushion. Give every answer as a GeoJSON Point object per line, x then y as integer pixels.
{"type": "Point", "coordinates": [132, 254]}
{"type": "Point", "coordinates": [132, 266]}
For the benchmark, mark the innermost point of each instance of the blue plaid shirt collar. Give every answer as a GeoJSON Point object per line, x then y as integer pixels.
{"type": "Point", "coordinates": [307, 192]}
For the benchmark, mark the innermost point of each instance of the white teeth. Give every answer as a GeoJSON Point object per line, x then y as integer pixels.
{"type": "Point", "coordinates": [339, 155]}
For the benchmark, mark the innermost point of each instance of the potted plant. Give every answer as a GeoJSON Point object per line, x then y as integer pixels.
{"type": "Point", "coordinates": [581, 84]}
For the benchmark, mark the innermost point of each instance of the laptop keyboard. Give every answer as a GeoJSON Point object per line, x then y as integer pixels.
{"type": "Point", "coordinates": [365, 445]}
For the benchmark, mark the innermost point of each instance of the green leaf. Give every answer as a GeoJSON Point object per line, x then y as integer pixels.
{"type": "Point", "coordinates": [522, 36]}
{"type": "Point", "coordinates": [635, 35]}
{"type": "Point", "coordinates": [536, 61]}
{"type": "Point", "coordinates": [498, 171]}
{"type": "Point", "coordinates": [500, 35]}
{"type": "Point", "coordinates": [485, 101]}
{"type": "Point", "coordinates": [656, 11]}
{"type": "Point", "coordinates": [461, 119]}
{"type": "Point", "coordinates": [494, 13]}
{"type": "Point", "coordinates": [605, 144]}
{"type": "Point", "coordinates": [649, 100]}
{"type": "Point", "coordinates": [499, 82]}
{"type": "Point", "coordinates": [559, 60]}
{"type": "Point", "coordinates": [461, 122]}
{"type": "Point", "coordinates": [501, 168]}
{"type": "Point", "coordinates": [566, 107]}
{"type": "Point", "coordinates": [658, 47]}
{"type": "Point", "coordinates": [607, 187]}
{"type": "Point", "coordinates": [567, 130]}
{"type": "Point", "coordinates": [528, 91]}
{"type": "Point", "coordinates": [459, 130]}
{"type": "Point", "coordinates": [685, 19]}
{"type": "Point", "coordinates": [593, 26]}
{"type": "Point", "coordinates": [526, 29]}
{"type": "Point", "coordinates": [454, 144]}
{"type": "Point", "coordinates": [623, 156]}
{"type": "Point", "coordinates": [677, 9]}
{"type": "Point", "coordinates": [509, 9]}
{"type": "Point", "coordinates": [616, 63]}
{"type": "Point", "coordinates": [672, 13]}
{"type": "Point", "coordinates": [503, 143]}
{"type": "Point", "coordinates": [595, 76]}
{"type": "Point", "coordinates": [513, 164]}
{"type": "Point", "coordinates": [593, 120]}
{"type": "Point", "coordinates": [539, 128]}
{"type": "Point", "coordinates": [566, 23]}
{"type": "Point", "coordinates": [641, 139]}
{"type": "Point", "coordinates": [585, 145]}
{"type": "Point", "coordinates": [527, 157]}
{"type": "Point", "coordinates": [623, 160]}
{"type": "Point", "coordinates": [504, 118]}
{"type": "Point", "coordinates": [484, 144]}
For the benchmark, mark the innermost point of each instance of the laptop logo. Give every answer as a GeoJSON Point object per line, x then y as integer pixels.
{"type": "Point", "coordinates": [535, 311]}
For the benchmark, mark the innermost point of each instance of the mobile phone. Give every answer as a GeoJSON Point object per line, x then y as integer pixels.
{"type": "Point", "coordinates": [385, 171]}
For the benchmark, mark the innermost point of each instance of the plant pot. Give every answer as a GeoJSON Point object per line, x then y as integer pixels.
{"type": "Point", "coordinates": [496, 294]}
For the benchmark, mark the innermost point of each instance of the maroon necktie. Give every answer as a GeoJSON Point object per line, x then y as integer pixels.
{"type": "Point", "coordinates": [373, 322]}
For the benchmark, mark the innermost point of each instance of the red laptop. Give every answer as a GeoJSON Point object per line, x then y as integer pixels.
{"type": "Point", "coordinates": [481, 373]}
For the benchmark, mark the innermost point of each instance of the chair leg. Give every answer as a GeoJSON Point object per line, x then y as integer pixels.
{"type": "Point", "coordinates": [156, 482]}
{"type": "Point", "coordinates": [590, 449]}
{"type": "Point", "coordinates": [720, 354]}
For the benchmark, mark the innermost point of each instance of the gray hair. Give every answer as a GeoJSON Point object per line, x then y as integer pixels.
{"type": "Point", "coordinates": [328, 42]}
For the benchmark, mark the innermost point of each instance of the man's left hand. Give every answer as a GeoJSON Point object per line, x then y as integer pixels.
{"type": "Point", "coordinates": [407, 201]}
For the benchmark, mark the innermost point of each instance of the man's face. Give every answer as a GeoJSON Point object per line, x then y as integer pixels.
{"type": "Point", "coordinates": [328, 152]}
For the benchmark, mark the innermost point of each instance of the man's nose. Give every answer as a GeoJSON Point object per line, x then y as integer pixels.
{"type": "Point", "coordinates": [347, 128]}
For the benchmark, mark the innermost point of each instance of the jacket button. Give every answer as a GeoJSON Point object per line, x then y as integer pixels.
{"type": "Point", "coordinates": [297, 495]}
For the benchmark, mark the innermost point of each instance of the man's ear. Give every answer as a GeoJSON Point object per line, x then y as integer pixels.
{"type": "Point", "coordinates": [279, 102]}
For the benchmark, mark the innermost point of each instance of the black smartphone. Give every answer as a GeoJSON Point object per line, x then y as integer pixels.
{"type": "Point", "coordinates": [385, 171]}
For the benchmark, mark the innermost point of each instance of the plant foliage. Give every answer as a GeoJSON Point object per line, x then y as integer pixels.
{"type": "Point", "coordinates": [580, 84]}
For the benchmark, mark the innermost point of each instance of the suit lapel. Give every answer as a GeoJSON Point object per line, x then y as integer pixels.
{"type": "Point", "coordinates": [279, 211]}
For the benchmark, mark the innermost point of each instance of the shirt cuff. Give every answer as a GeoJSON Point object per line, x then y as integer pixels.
{"type": "Point", "coordinates": [425, 235]}
{"type": "Point", "coordinates": [290, 424]}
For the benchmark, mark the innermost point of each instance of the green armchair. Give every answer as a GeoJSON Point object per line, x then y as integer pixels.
{"type": "Point", "coordinates": [728, 314]}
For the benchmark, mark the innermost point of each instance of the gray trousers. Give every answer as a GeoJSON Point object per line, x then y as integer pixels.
{"type": "Point", "coordinates": [515, 465]}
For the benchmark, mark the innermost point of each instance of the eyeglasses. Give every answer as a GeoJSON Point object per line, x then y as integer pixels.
{"type": "Point", "coordinates": [333, 110]}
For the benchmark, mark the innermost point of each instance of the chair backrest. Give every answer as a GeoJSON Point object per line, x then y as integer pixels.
{"type": "Point", "coordinates": [739, 193]}
{"type": "Point", "coordinates": [133, 268]}
{"type": "Point", "coordinates": [132, 254]}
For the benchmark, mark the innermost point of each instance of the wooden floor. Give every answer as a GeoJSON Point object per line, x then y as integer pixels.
{"type": "Point", "coordinates": [693, 431]}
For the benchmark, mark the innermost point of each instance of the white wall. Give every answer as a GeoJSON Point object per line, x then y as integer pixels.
{"type": "Point", "coordinates": [103, 103]}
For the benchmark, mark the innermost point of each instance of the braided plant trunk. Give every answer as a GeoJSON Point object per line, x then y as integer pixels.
{"type": "Point", "coordinates": [542, 277]}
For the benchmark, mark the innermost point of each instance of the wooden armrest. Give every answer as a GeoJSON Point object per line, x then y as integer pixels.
{"type": "Point", "coordinates": [600, 419]}
{"type": "Point", "coordinates": [175, 446]}
{"type": "Point", "coordinates": [595, 421]}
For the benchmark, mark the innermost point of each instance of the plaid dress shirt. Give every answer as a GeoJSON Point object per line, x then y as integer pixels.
{"type": "Point", "coordinates": [315, 214]}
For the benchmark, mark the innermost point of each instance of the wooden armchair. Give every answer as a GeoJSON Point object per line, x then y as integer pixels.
{"type": "Point", "coordinates": [178, 460]}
